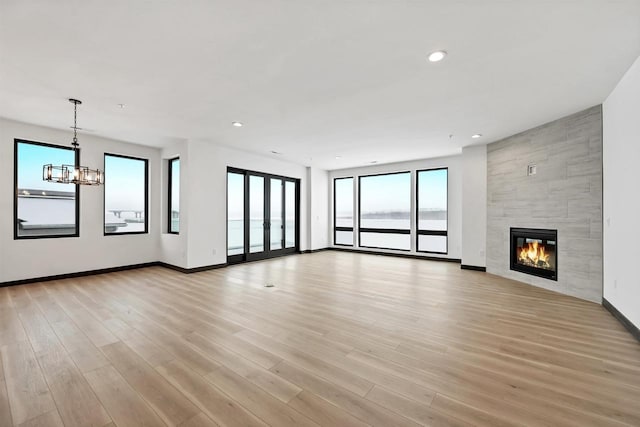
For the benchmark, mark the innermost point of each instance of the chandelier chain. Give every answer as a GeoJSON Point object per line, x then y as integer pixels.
{"type": "Point", "coordinates": [75, 125]}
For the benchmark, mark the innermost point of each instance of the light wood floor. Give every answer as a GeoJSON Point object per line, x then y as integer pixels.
{"type": "Point", "coordinates": [340, 340]}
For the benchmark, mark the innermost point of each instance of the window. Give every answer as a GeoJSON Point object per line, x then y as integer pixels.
{"type": "Point", "coordinates": [174, 196]}
{"type": "Point", "coordinates": [125, 195]}
{"type": "Point", "coordinates": [385, 211]}
{"type": "Point", "coordinates": [343, 211]}
{"type": "Point", "coordinates": [235, 213]}
{"type": "Point", "coordinates": [43, 209]}
{"type": "Point", "coordinates": [257, 217]}
{"type": "Point", "coordinates": [432, 210]}
{"type": "Point", "coordinates": [290, 214]}
{"type": "Point", "coordinates": [262, 215]}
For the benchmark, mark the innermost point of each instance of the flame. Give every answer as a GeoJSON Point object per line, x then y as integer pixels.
{"type": "Point", "coordinates": [533, 253]}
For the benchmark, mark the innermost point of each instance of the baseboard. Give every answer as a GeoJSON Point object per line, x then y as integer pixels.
{"type": "Point", "coordinates": [79, 274]}
{"type": "Point", "coordinates": [472, 267]}
{"type": "Point", "coordinates": [200, 269]}
{"type": "Point", "coordinates": [313, 251]}
{"type": "Point", "coordinates": [622, 319]}
{"type": "Point", "coordinates": [192, 270]}
{"type": "Point", "coordinates": [397, 255]}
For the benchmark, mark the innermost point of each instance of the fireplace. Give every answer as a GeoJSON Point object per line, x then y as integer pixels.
{"type": "Point", "coordinates": [535, 251]}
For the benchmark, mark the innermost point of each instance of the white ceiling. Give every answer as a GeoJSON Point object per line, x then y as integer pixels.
{"type": "Point", "coordinates": [312, 79]}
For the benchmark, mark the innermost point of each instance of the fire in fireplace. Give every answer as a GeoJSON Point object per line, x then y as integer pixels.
{"type": "Point", "coordinates": [534, 251]}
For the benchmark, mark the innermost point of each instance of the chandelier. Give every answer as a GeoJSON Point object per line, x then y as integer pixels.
{"type": "Point", "coordinates": [73, 174]}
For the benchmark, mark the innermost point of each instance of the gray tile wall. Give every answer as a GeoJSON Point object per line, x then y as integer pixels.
{"type": "Point", "coordinates": [565, 194]}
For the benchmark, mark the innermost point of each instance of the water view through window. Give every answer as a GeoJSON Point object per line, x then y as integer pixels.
{"type": "Point", "coordinates": [385, 211]}
{"type": "Point", "coordinates": [44, 209]}
{"type": "Point", "coordinates": [290, 214]}
{"type": "Point", "coordinates": [256, 213]}
{"type": "Point", "coordinates": [432, 210]}
{"type": "Point", "coordinates": [235, 213]}
{"type": "Point", "coordinates": [174, 196]}
{"type": "Point", "coordinates": [343, 196]}
{"type": "Point", "coordinates": [276, 214]}
{"type": "Point", "coordinates": [125, 194]}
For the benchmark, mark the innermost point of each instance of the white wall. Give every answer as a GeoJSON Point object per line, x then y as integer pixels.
{"type": "Point", "coordinates": [22, 259]}
{"type": "Point", "coordinates": [474, 205]}
{"type": "Point", "coordinates": [206, 211]}
{"type": "Point", "coordinates": [454, 163]}
{"type": "Point", "coordinates": [621, 153]}
{"type": "Point", "coordinates": [319, 208]}
{"type": "Point", "coordinates": [202, 238]}
{"type": "Point", "coordinates": [173, 247]}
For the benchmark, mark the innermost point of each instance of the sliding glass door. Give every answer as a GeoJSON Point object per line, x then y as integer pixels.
{"type": "Point", "coordinates": [262, 215]}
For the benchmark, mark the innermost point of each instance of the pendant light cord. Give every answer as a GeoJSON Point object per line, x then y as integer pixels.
{"type": "Point", "coordinates": [75, 126]}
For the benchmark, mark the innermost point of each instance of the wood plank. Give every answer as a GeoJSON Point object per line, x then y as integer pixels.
{"type": "Point", "coordinates": [323, 412]}
{"type": "Point", "coordinates": [259, 376]}
{"type": "Point", "coordinates": [361, 408]}
{"type": "Point", "coordinates": [28, 392]}
{"type": "Point", "coordinates": [5, 410]}
{"type": "Point", "coordinates": [330, 372]}
{"type": "Point", "coordinates": [200, 420]}
{"type": "Point", "coordinates": [76, 402]}
{"type": "Point", "coordinates": [83, 352]}
{"type": "Point", "coordinates": [173, 407]}
{"type": "Point", "coordinates": [48, 419]}
{"type": "Point", "coordinates": [419, 412]}
{"type": "Point", "coordinates": [11, 329]}
{"type": "Point", "coordinates": [261, 403]}
{"type": "Point", "coordinates": [126, 407]}
{"type": "Point", "coordinates": [218, 406]}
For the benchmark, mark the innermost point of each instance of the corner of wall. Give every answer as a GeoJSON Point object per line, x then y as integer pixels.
{"type": "Point", "coordinates": [474, 205]}
{"type": "Point", "coordinates": [621, 205]}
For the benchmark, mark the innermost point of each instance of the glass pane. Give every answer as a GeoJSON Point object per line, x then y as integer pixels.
{"type": "Point", "coordinates": [343, 188]}
{"type": "Point", "coordinates": [235, 214]}
{"type": "Point", "coordinates": [432, 200]}
{"type": "Point", "coordinates": [432, 243]}
{"type": "Point", "coordinates": [44, 208]}
{"type": "Point", "coordinates": [385, 201]}
{"type": "Point", "coordinates": [175, 196]}
{"type": "Point", "coordinates": [290, 214]}
{"type": "Point", "coordinates": [124, 195]}
{"type": "Point", "coordinates": [256, 213]}
{"type": "Point", "coordinates": [276, 214]}
{"type": "Point", "coordinates": [344, 238]}
{"type": "Point", "coordinates": [386, 240]}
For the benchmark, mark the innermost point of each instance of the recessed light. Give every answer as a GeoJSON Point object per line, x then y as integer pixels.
{"type": "Point", "coordinates": [237, 124]}
{"type": "Point", "coordinates": [374, 162]}
{"type": "Point", "coordinates": [437, 56]}
{"type": "Point", "coordinates": [338, 157]}
{"type": "Point", "coordinates": [476, 136]}
{"type": "Point", "coordinates": [275, 152]}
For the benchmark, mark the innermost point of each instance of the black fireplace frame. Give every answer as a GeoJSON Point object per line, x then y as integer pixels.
{"type": "Point", "coordinates": [533, 233]}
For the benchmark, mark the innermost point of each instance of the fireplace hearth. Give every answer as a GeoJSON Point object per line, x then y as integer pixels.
{"type": "Point", "coordinates": [535, 251]}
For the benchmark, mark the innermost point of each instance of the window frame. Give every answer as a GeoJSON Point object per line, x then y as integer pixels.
{"type": "Point", "coordinates": [146, 196]}
{"type": "Point", "coordinates": [335, 213]}
{"type": "Point", "coordinates": [170, 195]}
{"type": "Point", "coordinates": [17, 141]}
{"type": "Point", "coordinates": [419, 232]}
{"type": "Point", "coordinates": [382, 230]}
